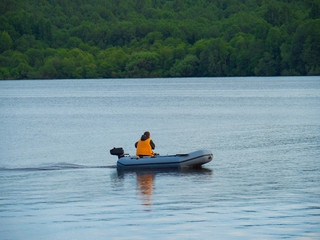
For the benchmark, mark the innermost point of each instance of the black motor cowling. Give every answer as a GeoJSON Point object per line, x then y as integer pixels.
{"type": "Point", "coordinates": [117, 152]}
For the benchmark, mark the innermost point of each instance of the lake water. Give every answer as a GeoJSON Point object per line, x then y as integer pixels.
{"type": "Point", "coordinates": [58, 180]}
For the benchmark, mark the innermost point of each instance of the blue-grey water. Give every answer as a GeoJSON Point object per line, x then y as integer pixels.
{"type": "Point", "coordinates": [58, 180]}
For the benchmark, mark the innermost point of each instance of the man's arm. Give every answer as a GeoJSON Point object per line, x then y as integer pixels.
{"type": "Point", "coordinates": [153, 146]}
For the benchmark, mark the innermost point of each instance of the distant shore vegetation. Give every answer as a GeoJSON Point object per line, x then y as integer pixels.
{"type": "Point", "coordinates": [55, 39]}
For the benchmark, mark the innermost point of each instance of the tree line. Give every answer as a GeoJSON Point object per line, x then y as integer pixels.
{"type": "Point", "coordinates": [49, 39]}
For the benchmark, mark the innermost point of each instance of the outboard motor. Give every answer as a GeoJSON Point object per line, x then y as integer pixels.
{"type": "Point", "coordinates": [117, 152]}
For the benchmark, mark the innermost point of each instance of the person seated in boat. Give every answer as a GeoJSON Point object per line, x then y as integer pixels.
{"type": "Point", "coordinates": [145, 145]}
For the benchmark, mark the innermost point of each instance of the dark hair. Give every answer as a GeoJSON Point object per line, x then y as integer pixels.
{"type": "Point", "coordinates": [147, 134]}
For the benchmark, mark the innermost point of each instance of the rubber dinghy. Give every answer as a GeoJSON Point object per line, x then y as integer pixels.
{"type": "Point", "coordinates": [190, 160]}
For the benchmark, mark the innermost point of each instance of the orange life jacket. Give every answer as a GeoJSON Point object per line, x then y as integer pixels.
{"type": "Point", "coordinates": [144, 148]}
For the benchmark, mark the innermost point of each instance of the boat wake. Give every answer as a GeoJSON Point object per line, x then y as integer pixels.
{"type": "Point", "coordinates": [55, 166]}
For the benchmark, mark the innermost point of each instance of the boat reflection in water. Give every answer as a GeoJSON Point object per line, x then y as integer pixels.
{"type": "Point", "coordinates": [146, 179]}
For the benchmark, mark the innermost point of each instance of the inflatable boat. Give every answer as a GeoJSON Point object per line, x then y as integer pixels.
{"type": "Point", "coordinates": [190, 160]}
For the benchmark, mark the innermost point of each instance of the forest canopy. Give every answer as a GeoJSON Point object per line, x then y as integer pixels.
{"type": "Point", "coordinates": [49, 39]}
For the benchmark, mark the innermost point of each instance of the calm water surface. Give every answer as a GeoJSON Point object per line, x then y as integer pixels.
{"type": "Point", "coordinates": [58, 181]}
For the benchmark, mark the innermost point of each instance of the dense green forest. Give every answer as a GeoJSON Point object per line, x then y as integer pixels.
{"type": "Point", "coordinates": [44, 39]}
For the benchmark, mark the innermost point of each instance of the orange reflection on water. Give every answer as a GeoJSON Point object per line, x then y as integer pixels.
{"type": "Point", "coordinates": [145, 187]}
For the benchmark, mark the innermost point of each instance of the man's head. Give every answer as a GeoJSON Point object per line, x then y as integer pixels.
{"type": "Point", "coordinates": [147, 134]}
